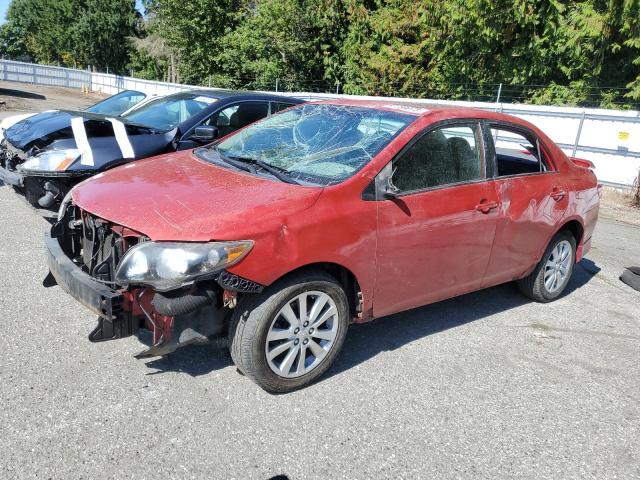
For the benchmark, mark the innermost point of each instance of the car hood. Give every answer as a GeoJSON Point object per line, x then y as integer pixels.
{"type": "Point", "coordinates": [52, 131]}
{"type": "Point", "coordinates": [179, 197]}
{"type": "Point", "coordinates": [12, 120]}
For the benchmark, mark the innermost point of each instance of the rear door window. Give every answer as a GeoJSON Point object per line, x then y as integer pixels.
{"type": "Point", "coordinates": [517, 152]}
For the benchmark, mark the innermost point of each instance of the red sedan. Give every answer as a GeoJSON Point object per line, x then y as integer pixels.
{"type": "Point", "coordinates": [328, 213]}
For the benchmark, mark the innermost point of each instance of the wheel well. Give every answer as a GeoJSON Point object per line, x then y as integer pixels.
{"type": "Point", "coordinates": [343, 275]}
{"type": "Point", "coordinates": [575, 228]}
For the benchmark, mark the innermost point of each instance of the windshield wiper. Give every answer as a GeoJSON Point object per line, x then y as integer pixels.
{"type": "Point", "coordinates": [239, 165]}
{"type": "Point", "coordinates": [280, 173]}
{"type": "Point", "coordinates": [249, 165]}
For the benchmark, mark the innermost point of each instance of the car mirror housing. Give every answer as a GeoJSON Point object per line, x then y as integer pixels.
{"type": "Point", "coordinates": [384, 187]}
{"type": "Point", "coordinates": [389, 192]}
{"type": "Point", "coordinates": [205, 133]}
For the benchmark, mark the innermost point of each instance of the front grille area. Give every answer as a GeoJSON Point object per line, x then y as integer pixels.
{"type": "Point", "coordinates": [102, 248]}
{"type": "Point", "coordinates": [94, 244]}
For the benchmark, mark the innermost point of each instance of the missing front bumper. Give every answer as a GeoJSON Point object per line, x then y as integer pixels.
{"type": "Point", "coordinates": [94, 295]}
{"type": "Point", "coordinates": [122, 313]}
{"type": "Point", "coordinates": [113, 322]}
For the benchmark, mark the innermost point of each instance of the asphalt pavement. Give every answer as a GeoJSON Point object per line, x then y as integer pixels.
{"type": "Point", "coordinates": [488, 385]}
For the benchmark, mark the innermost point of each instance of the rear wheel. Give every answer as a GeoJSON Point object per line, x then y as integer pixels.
{"type": "Point", "coordinates": [289, 335]}
{"type": "Point", "coordinates": [552, 274]}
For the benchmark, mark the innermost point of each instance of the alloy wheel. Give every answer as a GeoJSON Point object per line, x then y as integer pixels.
{"type": "Point", "coordinates": [557, 267]}
{"type": "Point", "coordinates": [301, 334]}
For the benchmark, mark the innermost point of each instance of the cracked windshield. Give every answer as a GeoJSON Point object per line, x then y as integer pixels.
{"type": "Point", "coordinates": [318, 144]}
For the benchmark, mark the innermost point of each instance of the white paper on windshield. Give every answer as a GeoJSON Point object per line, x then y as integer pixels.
{"type": "Point", "coordinates": [122, 138]}
{"type": "Point", "coordinates": [80, 136]}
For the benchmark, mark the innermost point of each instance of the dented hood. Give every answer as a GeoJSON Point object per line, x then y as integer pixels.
{"type": "Point", "coordinates": [53, 131]}
{"type": "Point", "coordinates": [25, 133]}
{"type": "Point", "coordinates": [178, 197]}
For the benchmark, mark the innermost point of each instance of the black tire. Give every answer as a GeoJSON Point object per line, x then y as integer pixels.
{"type": "Point", "coordinates": [252, 319]}
{"type": "Point", "coordinates": [533, 285]}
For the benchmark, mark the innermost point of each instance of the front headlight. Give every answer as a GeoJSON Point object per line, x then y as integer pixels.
{"type": "Point", "coordinates": [53, 161]}
{"type": "Point", "coordinates": [167, 265]}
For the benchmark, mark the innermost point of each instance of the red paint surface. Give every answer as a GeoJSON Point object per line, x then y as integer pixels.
{"type": "Point", "coordinates": [437, 245]}
{"type": "Point", "coordinates": [440, 250]}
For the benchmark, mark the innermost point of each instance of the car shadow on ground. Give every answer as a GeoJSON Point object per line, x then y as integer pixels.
{"type": "Point", "coordinates": [367, 340]}
{"type": "Point", "coordinates": [389, 333]}
{"type": "Point", "coordinates": [21, 94]}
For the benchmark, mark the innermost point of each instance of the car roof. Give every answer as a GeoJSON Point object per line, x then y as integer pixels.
{"type": "Point", "coordinates": [223, 99]}
{"type": "Point", "coordinates": [420, 109]}
{"type": "Point", "coordinates": [222, 94]}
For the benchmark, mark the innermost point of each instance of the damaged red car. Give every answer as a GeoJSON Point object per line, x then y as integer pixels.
{"type": "Point", "coordinates": [282, 234]}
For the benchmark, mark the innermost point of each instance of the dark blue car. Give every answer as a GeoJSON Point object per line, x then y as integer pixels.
{"type": "Point", "coordinates": [44, 156]}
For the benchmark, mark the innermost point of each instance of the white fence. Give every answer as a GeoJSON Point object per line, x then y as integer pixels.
{"type": "Point", "coordinates": [609, 138]}
{"type": "Point", "coordinates": [43, 74]}
{"type": "Point", "coordinates": [112, 84]}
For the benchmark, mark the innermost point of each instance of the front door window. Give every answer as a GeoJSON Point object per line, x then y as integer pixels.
{"type": "Point", "coordinates": [236, 116]}
{"type": "Point", "coordinates": [444, 156]}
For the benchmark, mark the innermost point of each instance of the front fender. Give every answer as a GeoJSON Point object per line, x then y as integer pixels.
{"type": "Point", "coordinates": [335, 230]}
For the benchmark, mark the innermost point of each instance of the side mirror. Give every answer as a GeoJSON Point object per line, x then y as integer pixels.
{"type": "Point", "coordinates": [205, 133]}
{"type": "Point", "coordinates": [384, 187]}
{"type": "Point", "coordinates": [389, 192]}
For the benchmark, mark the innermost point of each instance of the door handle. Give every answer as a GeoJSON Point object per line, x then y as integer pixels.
{"type": "Point", "coordinates": [557, 194]}
{"type": "Point", "coordinates": [486, 206]}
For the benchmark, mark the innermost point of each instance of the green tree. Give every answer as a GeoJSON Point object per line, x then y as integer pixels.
{"type": "Point", "coordinates": [101, 34]}
{"type": "Point", "coordinates": [12, 43]}
{"type": "Point", "coordinates": [542, 51]}
{"type": "Point", "coordinates": [151, 58]}
{"type": "Point", "coordinates": [70, 32]}
{"type": "Point", "coordinates": [42, 27]}
{"type": "Point", "coordinates": [631, 31]}
{"type": "Point", "coordinates": [192, 31]}
{"type": "Point", "coordinates": [584, 52]}
{"type": "Point", "coordinates": [330, 21]}
{"type": "Point", "coordinates": [274, 41]}
{"type": "Point", "coordinates": [384, 50]}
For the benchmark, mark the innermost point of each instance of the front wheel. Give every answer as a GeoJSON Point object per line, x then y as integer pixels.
{"type": "Point", "coordinates": [551, 276]}
{"type": "Point", "coordinates": [289, 335]}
